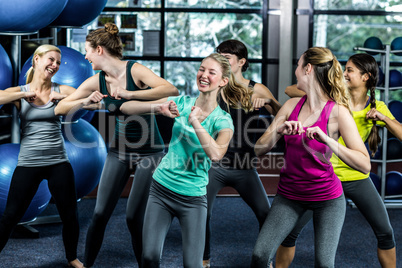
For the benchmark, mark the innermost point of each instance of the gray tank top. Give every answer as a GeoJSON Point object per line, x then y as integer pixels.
{"type": "Point", "coordinates": [42, 142]}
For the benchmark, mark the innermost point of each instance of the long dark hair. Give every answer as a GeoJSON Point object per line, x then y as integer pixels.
{"type": "Point", "coordinates": [368, 65]}
{"type": "Point", "coordinates": [237, 48]}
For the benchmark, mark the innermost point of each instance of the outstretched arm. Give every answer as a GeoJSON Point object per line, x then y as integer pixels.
{"type": "Point", "coordinates": [87, 94]}
{"type": "Point", "coordinates": [162, 106]}
{"type": "Point", "coordinates": [263, 97]}
{"type": "Point", "coordinates": [293, 92]}
{"type": "Point", "coordinates": [144, 78]}
{"type": "Point", "coordinates": [14, 95]}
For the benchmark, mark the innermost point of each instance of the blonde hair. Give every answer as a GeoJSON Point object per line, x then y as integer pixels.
{"type": "Point", "coordinates": [40, 51]}
{"type": "Point", "coordinates": [237, 96]}
{"type": "Point", "coordinates": [329, 74]}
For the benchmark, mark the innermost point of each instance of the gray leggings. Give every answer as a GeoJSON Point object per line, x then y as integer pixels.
{"type": "Point", "coordinates": [328, 217]}
{"type": "Point", "coordinates": [247, 183]}
{"type": "Point", "coordinates": [115, 175]}
{"type": "Point", "coordinates": [163, 206]}
{"type": "Point", "coordinates": [366, 198]}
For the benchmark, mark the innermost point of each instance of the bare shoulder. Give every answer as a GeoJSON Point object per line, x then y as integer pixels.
{"type": "Point", "coordinates": [289, 106]}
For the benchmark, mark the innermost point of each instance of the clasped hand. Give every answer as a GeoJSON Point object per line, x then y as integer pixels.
{"type": "Point", "coordinates": [296, 127]}
{"type": "Point", "coordinates": [169, 109]}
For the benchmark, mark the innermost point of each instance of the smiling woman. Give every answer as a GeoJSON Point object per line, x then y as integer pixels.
{"type": "Point", "coordinates": [201, 134]}
{"type": "Point", "coordinates": [42, 151]}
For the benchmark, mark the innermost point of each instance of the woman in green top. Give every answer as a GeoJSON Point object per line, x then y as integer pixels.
{"type": "Point", "coordinates": [361, 74]}
{"type": "Point", "coordinates": [201, 134]}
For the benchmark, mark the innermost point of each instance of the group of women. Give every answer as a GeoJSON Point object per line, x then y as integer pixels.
{"type": "Point", "coordinates": [210, 148]}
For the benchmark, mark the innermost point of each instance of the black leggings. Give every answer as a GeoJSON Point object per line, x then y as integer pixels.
{"type": "Point", "coordinates": [163, 206]}
{"type": "Point", "coordinates": [23, 187]}
{"type": "Point", "coordinates": [247, 183]}
{"type": "Point", "coordinates": [366, 198]}
{"type": "Point", "coordinates": [115, 175]}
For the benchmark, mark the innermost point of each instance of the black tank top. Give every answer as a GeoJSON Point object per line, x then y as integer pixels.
{"type": "Point", "coordinates": [248, 127]}
{"type": "Point", "coordinates": [134, 133]}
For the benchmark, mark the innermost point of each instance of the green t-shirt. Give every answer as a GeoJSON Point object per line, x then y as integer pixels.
{"type": "Point", "coordinates": [364, 126]}
{"type": "Point", "coordinates": [184, 169]}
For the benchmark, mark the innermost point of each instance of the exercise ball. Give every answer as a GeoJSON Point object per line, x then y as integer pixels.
{"type": "Point", "coordinates": [393, 183]}
{"type": "Point", "coordinates": [9, 158]}
{"type": "Point", "coordinates": [27, 16]}
{"type": "Point", "coordinates": [78, 13]}
{"type": "Point", "coordinates": [396, 44]}
{"type": "Point", "coordinates": [86, 151]}
{"type": "Point", "coordinates": [6, 70]}
{"type": "Point", "coordinates": [394, 149]}
{"type": "Point", "coordinates": [381, 77]}
{"type": "Point", "coordinates": [373, 43]}
{"type": "Point", "coordinates": [74, 70]}
{"type": "Point", "coordinates": [395, 108]}
{"type": "Point", "coordinates": [395, 78]}
{"type": "Point", "coordinates": [376, 181]}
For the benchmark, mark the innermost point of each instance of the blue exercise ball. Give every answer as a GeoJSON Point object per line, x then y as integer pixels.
{"type": "Point", "coordinates": [86, 151]}
{"type": "Point", "coordinates": [373, 43]}
{"type": "Point", "coordinates": [396, 44]}
{"type": "Point", "coordinates": [6, 70]}
{"type": "Point", "coordinates": [381, 77]}
{"type": "Point", "coordinates": [78, 13]}
{"type": "Point", "coordinates": [9, 158]}
{"type": "Point", "coordinates": [394, 148]}
{"type": "Point", "coordinates": [395, 78]}
{"type": "Point", "coordinates": [74, 70]}
{"type": "Point", "coordinates": [26, 16]}
{"type": "Point", "coordinates": [376, 181]}
{"type": "Point", "coordinates": [395, 108]}
{"type": "Point", "coordinates": [393, 183]}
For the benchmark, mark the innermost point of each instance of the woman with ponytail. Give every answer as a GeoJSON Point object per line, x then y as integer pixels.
{"type": "Point", "coordinates": [311, 126]}
{"type": "Point", "coordinates": [361, 74]}
{"type": "Point", "coordinates": [137, 145]}
{"type": "Point", "coordinates": [237, 169]}
{"type": "Point", "coordinates": [42, 152]}
{"type": "Point", "coordinates": [201, 134]}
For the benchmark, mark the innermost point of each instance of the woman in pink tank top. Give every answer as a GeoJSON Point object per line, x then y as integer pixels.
{"type": "Point", "coordinates": [311, 126]}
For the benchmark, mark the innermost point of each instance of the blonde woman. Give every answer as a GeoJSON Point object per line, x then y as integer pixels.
{"type": "Point", "coordinates": [42, 152]}
{"type": "Point", "coordinates": [201, 135]}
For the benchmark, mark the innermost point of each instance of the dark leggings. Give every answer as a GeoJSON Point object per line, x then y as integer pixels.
{"type": "Point", "coordinates": [366, 198]}
{"type": "Point", "coordinates": [163, 206]}
{"type": "Point", "coordinates": [247, 183]}
{"type": "Point", "coordinates": [115, 175]}
{"type": "Point", "coordinates": [328, 217]}
{"type": "Point", "coordinates": [23, 187]}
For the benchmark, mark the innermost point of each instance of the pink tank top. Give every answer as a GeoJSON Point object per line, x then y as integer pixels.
{"type": "Point", "coordinates": [307, 174]}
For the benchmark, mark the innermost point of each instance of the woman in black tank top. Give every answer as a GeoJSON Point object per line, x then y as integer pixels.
{"type": "Point", "coordinates": [137, 146]}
